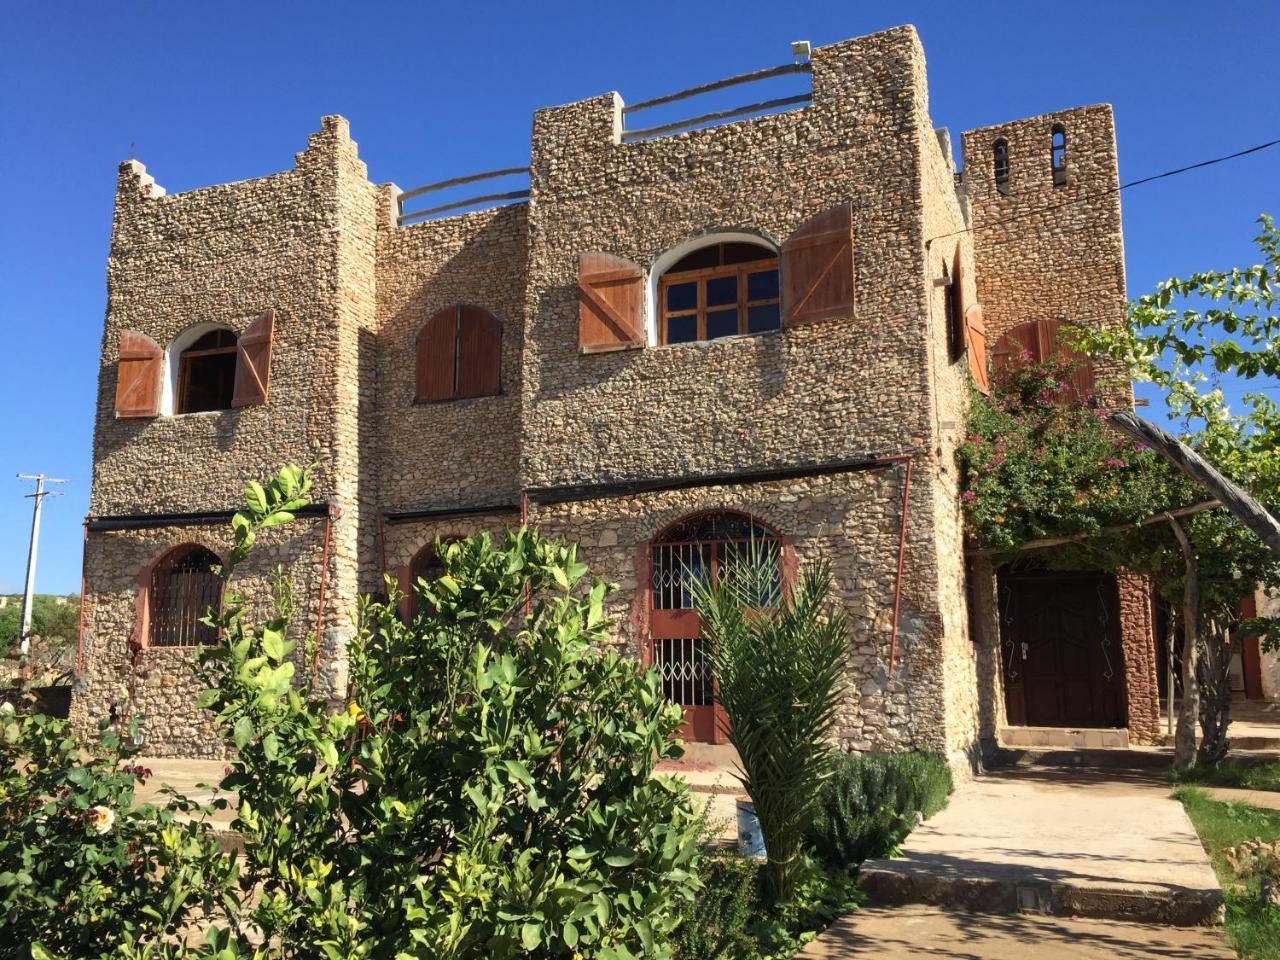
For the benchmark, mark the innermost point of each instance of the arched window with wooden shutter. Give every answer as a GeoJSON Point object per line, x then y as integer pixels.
{"type": "Point", "coordinates": [817, 268]}
{"type": "Point", "coordinates": [1038, 341]}
{"type": "Point", "coordinates": [138, 374]}
{"type": "Point", "coordinates": [459, 355]}
{"type": "Point", "coordinates": [253, 362]}
{"type": "Point", "coordinates": [610, 303]}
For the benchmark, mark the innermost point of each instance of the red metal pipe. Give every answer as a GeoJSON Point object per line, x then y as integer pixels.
{"type": "Point", "coordinates": [84, 565]}
{"type": "Point", "coordinates": [382, 544]}
{"type": "Point", "coordinates": [524, 523]}
{"type": "Point", "coordinates": [902, 552]}
{"type": "Point", "coordinates": [324, 580]}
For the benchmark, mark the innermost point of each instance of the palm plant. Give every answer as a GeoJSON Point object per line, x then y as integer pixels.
{"type": "Point", "coordinates": [779, 654]}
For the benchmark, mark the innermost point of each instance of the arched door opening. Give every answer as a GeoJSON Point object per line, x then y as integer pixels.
{"type": "Point", "coordinates": [702, 548]}
{"type": "Point", "coordinates": [184, 586]}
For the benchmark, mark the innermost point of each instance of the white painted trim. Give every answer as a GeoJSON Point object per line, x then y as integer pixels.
{"type": "Point", "coordinates": [670, 257]}
{"type": "Point", "coordinates": [173, 360]}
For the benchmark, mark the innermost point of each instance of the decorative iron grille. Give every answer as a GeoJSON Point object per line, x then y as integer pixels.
{"type": "Point", "coordinates": [685, 669]}
{"type": "Point", "coordinates": [184, 587]}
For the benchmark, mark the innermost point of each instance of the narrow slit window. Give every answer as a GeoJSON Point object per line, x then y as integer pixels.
{"type": "Point", "coordinates": [1000, 158]}
{"type": "Point", "coordinates": [720, 290]}
{"type": "Point", "coordinates": [1058, 155]}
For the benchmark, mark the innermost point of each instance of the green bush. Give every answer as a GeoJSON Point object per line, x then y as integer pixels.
{"type": "Point", "coordinates": [82, 872]}
{"type": "Point", "coordinates": [718, 924]}
{"type": "Point", "coordinates": [873, 801]}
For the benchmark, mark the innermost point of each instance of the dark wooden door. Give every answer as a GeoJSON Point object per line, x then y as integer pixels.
{"type": "Point", "coordinates": [1062, 659]}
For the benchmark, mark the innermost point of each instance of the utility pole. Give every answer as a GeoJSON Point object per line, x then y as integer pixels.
{"type": "Point", "coordinates": [28, 593]}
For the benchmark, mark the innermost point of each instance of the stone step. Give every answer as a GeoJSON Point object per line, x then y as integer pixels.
{"type": "Point", "coordinates": [1076, 738]}
{"type": "Point", "coordinates": [899, 882]}
{"type": "Point", "coordinates": [1142, 759]}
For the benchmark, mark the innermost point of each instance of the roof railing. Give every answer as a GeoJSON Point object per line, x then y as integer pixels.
{"type": "Point", "coordinates": [487, 199]}
{"type": "Point", "coordinates": [730, 114]}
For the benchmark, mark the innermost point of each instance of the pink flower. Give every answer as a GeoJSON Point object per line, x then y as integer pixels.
{"type": "Point", "coordinates": [968, 496]}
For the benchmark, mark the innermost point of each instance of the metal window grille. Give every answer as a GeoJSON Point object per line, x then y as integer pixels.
{"type": "Point", "coordinates": [184, 588]}
{"type": "Point", "coordinates": [685, 669]}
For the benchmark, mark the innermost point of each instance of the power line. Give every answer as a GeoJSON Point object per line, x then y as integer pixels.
{"type": "Point", "coordinates": [1110, 190]}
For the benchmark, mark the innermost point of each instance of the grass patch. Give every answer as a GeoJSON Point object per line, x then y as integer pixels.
{"type": "Point", "coordinates": [1254, 929]}
{"type": "Point", "coordinates": [1239, 772]}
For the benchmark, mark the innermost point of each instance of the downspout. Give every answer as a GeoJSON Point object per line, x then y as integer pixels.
{"type": "Point", "coordinates": [907, 459]}
{"type": "Point", "coordinates": [324, 581]}
{"type": "Point", "coordinates": [84, 566]}
{"type": "Point", "coordinates": [524, 524]}
{"type": "Point", "coordinates": [382, 544]}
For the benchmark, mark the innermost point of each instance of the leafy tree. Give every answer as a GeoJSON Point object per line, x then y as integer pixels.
{"type": "Point", "coordinates": [779, 654]}
{"type": "Point", "coordinates": [57, 624]}
{"type": "Point", "coordinates": [487, 791]}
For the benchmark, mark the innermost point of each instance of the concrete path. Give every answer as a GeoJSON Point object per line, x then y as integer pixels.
{"type": "Point", "coordinates": [1268, 799]}
{"type": "Point", "coordinates": [1109, 844]}
{"type": "Point", "coordinates": [891, 933]}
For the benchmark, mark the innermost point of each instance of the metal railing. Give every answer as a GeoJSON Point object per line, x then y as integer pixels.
{"type": "Point", "coordinates": [719, 115]}
{"type": "Point", "coordinates": [487, 199]}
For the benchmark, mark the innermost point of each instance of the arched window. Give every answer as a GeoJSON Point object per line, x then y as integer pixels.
{"type": "Point", "coordinates": [1058, 154]}
{"type": "Point", "coordinates": [1000, 160]}
{"type": "Point", "coordinates": [719, 290]}
{"type": "Point", "coordinates": [183, 588]}
{"type": "Point", "coordinates": [459, 355]}
{"type": "Point", "coordinates": [427, 564]}
{"type": "Point", "coordinates": [207, 373]}
{"type": "Point", "coordinates": [703, 547]}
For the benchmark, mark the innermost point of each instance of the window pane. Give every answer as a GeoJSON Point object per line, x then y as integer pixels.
{"type": "Point", "coordinates": [760, 319]}
{"type": "Point", "coordinates": [682, 329]}
{"type": "Point", "coordinates": [722, 291]}
{"type": "Point", "coordinates": [682, 296]}
{"type": "Point", "coordinates": [722, 323]}
{"type": "Point", "coordinates": [210, 383]}
{"type": "Point", "coordinates": [762, 285]}
{"type": "Point", "coordinates": [699, 259]}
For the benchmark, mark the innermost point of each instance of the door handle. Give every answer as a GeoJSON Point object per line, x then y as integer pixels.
{"type": "Point", "coordinates": [1025, 647]}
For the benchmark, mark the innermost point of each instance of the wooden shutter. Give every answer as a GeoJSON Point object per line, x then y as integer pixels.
{"type": "Point", "coordinates": [479, 353]}
{"type": "Point", "coordinates": [610, 303]}
{"type": "Point", "coordinates": [955, 297]}
{"type": "Point", "coordinates": [253, 362]}
{"type": "Point", "coordinates": [437, 356]}
{"type": "Point", "coordinates": [138, 373]}
{"type": "Point", "coordinates": [975, 332]}
{"type": "Point", "coordinates": [1039, 339]}
{"type": "Point", "coordinates": [817, 268]}
{"type": "Point", "coordinates": [405, 587]}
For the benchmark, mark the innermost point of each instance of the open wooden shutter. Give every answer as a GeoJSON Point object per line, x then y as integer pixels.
{"type": "Point", "coordinates": [253, 362]}
{"type": "Point", "coordinates": [479, 353]}
{"type": "Point", "coordinates": [1038, 339]}
{"type": "Point", "coordinates": [610, 303]}
{"type": "Point", "coordinates": [817, 268]}
{"type": "Point", "coordinates": [955, 299]}
{"type": "Point", "coordinates": [138, 373]}
{"type": "Point", "coordinates": [405, 586]}
{"type": "Point", "coordinates": [437, 356]}
{"type": "Point", "coordinates": [975, 332]}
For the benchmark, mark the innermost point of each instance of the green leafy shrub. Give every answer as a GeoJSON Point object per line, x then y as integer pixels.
{"type": "Point", "coordinates": [488, 789]}
{"type": "Point", "coordinates": [81, 872]}
{"type": "Point", "coordinates": [873, 801]}
{"type": "Point", "coordinates": [719, 923]}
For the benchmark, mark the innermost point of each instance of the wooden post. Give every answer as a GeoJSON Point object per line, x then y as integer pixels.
{"type": "Point", "coordinates": [1244, 507]}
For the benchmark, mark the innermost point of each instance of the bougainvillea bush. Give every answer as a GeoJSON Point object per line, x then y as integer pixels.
{"type": "Point", "coordinates": [1038, 463]}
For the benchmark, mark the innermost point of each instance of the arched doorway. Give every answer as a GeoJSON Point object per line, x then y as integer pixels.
{"type": "Point", "coordinates": [700, 547]}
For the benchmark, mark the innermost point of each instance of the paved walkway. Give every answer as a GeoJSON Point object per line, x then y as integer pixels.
{"type": "Point", "coordinates": [891, 933]}
{"type": "Point", "coordinates": [1109, 844]}
{"type": "Point", "coordinates": [1269, 799]}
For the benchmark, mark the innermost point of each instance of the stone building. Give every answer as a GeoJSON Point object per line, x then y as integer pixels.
{"type": "Point", "coordinates": [676, 341]}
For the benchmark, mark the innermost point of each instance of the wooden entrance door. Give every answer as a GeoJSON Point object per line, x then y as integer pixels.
{"type": "Point", "coordinates": [1063, 664]}
{"type": "Point", "coordinates": [697, 549]}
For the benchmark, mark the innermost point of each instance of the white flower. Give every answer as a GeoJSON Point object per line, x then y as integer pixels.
{"type": "Point", "coordinates": [101, 819]}
{"type": "Point", "coordinates": [6, 707]}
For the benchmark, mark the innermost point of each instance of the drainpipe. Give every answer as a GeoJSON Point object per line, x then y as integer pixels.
{"type": "Point", "coordinates": [330, 513]}
{"type": "Point", "coordinates": [906, 459]}
{"type": "Point", "coordinates": [382, 544]}
{"type": "Point", "coordinates": [84, 555]}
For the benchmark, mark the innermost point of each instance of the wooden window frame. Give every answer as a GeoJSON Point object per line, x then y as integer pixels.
{"type": "Point", "coordinates": [184, 373]}
{"type": "Point", "coordinates": [700, 277]}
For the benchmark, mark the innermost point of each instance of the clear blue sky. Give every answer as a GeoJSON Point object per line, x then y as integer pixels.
{"type": "Point", "coordinates": [218, 92]}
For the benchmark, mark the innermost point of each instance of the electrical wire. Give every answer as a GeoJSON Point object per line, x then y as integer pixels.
{"type": "Point", "coordinates": [1110, 190]}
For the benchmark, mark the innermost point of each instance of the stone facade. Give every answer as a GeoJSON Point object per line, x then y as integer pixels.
{"type": "Point", "coordinates": [813, 430]}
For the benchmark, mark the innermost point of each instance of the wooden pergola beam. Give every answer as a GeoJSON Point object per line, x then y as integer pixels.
{"type": "Point", "coordinates": [1242, 506]}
